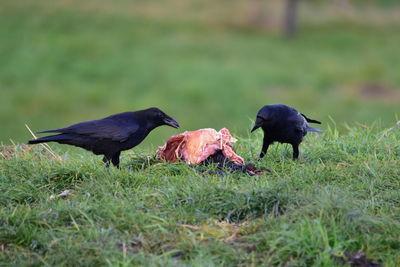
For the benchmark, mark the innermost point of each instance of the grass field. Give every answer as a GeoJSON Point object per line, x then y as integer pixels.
{"type": "Point", "coordinates": [343, 196]}
{"type": "Point", "coordinates": [206, 64]}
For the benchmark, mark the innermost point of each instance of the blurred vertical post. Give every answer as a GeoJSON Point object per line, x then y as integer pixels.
{"type": "Point", "coordinates": [290, 18]}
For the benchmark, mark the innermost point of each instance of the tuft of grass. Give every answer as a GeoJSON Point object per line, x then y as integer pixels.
{"type": "Point", "coordinates": [343, 195]}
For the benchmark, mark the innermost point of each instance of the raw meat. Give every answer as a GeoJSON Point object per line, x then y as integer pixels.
{"type": "Point", "coordinates": [195, 146]}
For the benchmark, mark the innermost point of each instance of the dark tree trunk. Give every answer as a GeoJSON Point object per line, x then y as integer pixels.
{"type": "Point", "coordinates": [290, 18]}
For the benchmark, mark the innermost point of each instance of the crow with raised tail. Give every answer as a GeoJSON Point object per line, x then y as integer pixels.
{"type": "Point", "coordinates": [111, 135]}
{"type": "Point", "coordinates": [283, 124]}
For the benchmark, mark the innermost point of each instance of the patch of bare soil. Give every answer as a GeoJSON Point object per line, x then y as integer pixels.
{"type": "Point", "coordinates": [356, 260]}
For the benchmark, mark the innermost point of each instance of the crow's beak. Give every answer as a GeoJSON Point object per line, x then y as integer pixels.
{"type": "Point", "coordinates": [257, 124]}
{"type": "Point", "coordinates": [171, 122]}
{"type": "Point", "coordinates": [255, 127]}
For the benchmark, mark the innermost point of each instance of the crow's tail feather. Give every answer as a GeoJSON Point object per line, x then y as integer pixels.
{"type": "Point", "coordinates": [51, 131]}
{"type": "Point", "coordinates": [310, 120]}
{"type": "Point", "coordinates": [311, 129]}
{"type": "Point", "coordinates": [51, 138]}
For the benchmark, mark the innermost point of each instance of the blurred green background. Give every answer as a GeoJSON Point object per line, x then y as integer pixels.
{"type": "Point", "coordinates": [206, 63]}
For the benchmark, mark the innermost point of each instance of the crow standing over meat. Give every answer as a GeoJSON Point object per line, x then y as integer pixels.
{"type": "Point", "coordinates": [111, 135]}
{"type": "Point", "coordinates": [283, 124]}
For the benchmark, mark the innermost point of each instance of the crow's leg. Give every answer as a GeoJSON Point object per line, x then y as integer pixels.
{"type": "Point", "coordinates": [115, 159]}
{"type": "Point", "coordinates": [295, 151]}
{"type": "Point", "coordinates": [264, 148]}
{"type": "Point", "coordinates": [106, 160]}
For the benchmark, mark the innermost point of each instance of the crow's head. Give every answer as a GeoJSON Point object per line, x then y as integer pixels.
{"type": "Point", "coordinates": [262, 118]}
{"type": "Point", "coordinates": [158, 117]}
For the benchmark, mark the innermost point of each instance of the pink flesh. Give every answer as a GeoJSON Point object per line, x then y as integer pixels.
{"type": "Point", "coordinates": [196, 146]}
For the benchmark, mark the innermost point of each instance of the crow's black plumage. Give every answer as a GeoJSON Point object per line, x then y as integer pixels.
{"type": "Point", "coordinates": [283, 124]}
{"type": "Point", "coordinates": [111, 135]}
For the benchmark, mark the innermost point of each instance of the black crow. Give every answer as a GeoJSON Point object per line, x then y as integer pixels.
{"type": "Point", "coordinates": [283, 124]}
{"type": "Point", "coordinates": [111, 135]}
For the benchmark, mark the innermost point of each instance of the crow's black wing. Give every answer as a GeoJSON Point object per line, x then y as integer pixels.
{"type": "Point", "coordinates": [107, 128]}
{"type": "Point", "coordinates": [297, 122]}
